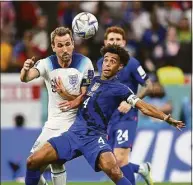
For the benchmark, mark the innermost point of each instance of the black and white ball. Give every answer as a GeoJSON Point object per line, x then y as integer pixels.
{"type": "Point", "coordinates": [85, 25]}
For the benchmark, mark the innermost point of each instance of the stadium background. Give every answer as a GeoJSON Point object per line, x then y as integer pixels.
{"type": "Point", "coordinates": [158, 34]}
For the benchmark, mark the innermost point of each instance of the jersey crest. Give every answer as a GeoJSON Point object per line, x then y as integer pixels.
{"type": "Point", "coordinates": [73, 80]}
{"type": "Point", "coordinates": [95, 86]}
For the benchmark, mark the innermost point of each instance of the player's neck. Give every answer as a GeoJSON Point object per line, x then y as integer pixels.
{"type": "Point", "coordinates": [107, 78]}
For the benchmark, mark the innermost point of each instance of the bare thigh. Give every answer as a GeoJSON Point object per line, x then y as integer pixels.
{"type": "Point", "coordinates": [44, 156]}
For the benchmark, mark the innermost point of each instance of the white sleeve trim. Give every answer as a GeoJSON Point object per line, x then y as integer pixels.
{"type": "Point", "coordinates": [132, 100]}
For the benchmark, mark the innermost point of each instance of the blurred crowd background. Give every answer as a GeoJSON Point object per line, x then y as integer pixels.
{"type": "Point", "coordinates": [158, 33]}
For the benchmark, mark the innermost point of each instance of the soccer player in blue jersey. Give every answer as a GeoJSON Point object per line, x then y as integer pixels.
{"type": "Point", "coordinates": [87, 136]}
{"type": "Point", "coordinates": [122, 127]}
{"type": "Point", "coordinates": [76, 71]}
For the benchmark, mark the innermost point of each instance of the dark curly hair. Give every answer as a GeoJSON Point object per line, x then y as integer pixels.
{"type": "Point", "coordinates": [116, 49]}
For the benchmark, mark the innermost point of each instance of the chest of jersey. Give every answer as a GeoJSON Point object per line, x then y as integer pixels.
{"type": "Point", "coordinates": [101, 101]}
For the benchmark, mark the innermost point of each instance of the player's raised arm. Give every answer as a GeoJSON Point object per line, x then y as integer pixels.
{"type": "Point", "coordinates": [28, 73]}
{"type": "Point", "coordinates": [152, 111]}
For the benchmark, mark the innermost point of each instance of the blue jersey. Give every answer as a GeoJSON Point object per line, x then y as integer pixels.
{"type": "Point", "coordinates": [131, 75]}
{"type": "Point", "coordinates": [102, 99]}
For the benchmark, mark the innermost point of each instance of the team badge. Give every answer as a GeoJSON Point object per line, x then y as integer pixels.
{"type": "Point", "coordinates": [73, 80]}
{"type": "Point", "coordinates": [95, 86]}
{"type": "Point", "coordinates": [90, 74]}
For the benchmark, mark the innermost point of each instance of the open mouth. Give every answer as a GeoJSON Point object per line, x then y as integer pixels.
{"type": "Point", "coordinates": [106, 70]}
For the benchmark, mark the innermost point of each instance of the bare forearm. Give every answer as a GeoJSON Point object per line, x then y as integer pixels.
{"type": "Point", "coordinates": [24, 75]}
{"type": "Point", "coordinates": [142, 92]}
{"type": "Point", "coordinates": [67, 96]}
{"type": "Point", "coordinates": [145, 89]}
{"type": "Point", "coordinates": [150, 110]}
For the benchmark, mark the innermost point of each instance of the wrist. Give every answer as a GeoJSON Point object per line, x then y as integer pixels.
{"type": "Point", "coordinates": [25, 70]}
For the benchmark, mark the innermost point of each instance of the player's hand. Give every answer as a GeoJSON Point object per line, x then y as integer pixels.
{"type": "Point", "coordinates": [178, 124]}
{"type": "Point", "coordinates": [29, 63]}
{"type": "Point", "coordinates": [63, 106]}
{"type": "Point", "coordinates": [59, 87]}
{"type": "Point", "coordinates": [124, 107]}
{"type": "Point", "coordinates": [66, 105]}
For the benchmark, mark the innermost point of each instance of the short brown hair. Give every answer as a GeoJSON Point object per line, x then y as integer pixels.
{"type": "Point", "coordinates": [116, 49]}
{"type": "Point", "coordinates": [60, 31]}
{"type": "Point", "coordinates": [115, 29]}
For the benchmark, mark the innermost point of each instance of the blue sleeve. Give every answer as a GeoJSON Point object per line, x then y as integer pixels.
{"type": "Point", "coordinates": [99, 65]}
{"type": "Point", "coordinates": [137, 71]}
{"type": "Point", "coordinates": [123, 92]}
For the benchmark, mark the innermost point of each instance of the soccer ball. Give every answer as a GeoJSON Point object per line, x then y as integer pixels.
{"type": "Point", "coordinates": [85, 25]}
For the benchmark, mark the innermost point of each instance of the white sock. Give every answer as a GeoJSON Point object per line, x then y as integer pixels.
{"type": "Point", "coordinates": [42, 181]}
{"type": "Point", "coordinates": [58, 174]}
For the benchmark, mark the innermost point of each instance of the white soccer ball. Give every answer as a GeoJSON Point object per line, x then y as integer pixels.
{"type": "Point", "coordinates": [85, 25]}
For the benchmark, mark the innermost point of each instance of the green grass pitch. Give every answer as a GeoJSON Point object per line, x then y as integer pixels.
{"type": "Point", "coordinates": [97, 183]}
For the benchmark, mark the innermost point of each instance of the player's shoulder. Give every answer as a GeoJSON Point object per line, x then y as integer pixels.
{"type": "Point", "coordinates": [47, 59]}
{"type": "Point", "coordinates": [41, 62]}
{"type": "Point", "coordinates": [133, 61]}
{"type": "Point", "coordinates": [80, 57]}
{"type": "Point", "coordinates": [96, 78]}
{"type": "Point", "coordinates": [119, 88]}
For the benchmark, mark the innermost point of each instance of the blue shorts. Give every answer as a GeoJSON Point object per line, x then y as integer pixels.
{"type": "Point", "coordinates": [122, 134]}
{"type": "Point", "coordinates": [69, 146]}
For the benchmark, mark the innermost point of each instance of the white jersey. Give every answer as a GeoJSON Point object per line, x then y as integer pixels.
{"type": "Point", "coordinates": [80, 72]}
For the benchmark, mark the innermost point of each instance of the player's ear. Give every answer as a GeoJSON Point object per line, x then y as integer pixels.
{"type": "Point", "coordinates": [73, 43]}
{"type": "Point", "coordinates": [53, 47]}
{"type": "Point", "coordinates": [105, 42]}
{"type": "Point", "coordinates": [120, 67]}
{"type": "Point", "coordinates": [124, 43]}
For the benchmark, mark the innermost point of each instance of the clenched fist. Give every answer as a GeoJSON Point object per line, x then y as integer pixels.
{"type": "Point", "coordinates": [28, 64]}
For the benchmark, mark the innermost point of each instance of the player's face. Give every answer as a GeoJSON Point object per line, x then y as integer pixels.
{"type": "Point", "coordinates": [63, 47]}
{"type": "Point", "coordinates": [111, 65]}
{"type": "Point", "coordinates": [115, 38]}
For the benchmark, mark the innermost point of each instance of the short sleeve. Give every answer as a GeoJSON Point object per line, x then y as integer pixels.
{"type": "Point", "coordinates": [123, 92]}
{"type": "Point", "coordinates": [138, 72]}
{"type": "Point", "coordinates": [88, 73]}
{"type": "Point", "coordinates": [128, 95]}
{"type": "Point", "coordinates": [40, 66]}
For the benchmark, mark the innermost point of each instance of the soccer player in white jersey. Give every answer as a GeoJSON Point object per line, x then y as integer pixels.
{"type": "Point", "coordinates": [70, 68]}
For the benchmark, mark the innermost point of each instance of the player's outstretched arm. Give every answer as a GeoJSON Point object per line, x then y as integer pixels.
{"type": "Point", "coordinates": [152, 111]}
{"type": "Point", "coordinates": [27, 72]}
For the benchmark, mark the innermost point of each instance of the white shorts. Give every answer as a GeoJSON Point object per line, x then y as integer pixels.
{"type": "Point", "coordinates": [45, 135]}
